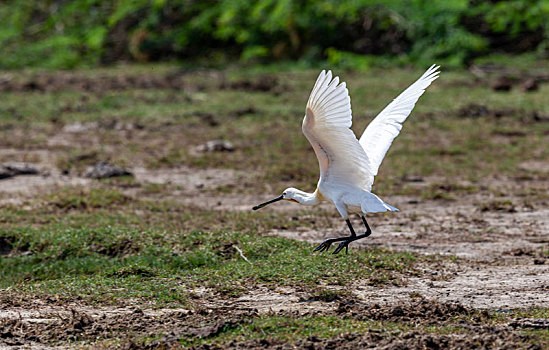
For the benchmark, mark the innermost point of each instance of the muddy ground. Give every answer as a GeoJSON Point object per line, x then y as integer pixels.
{"type": "Point", "coordinates": [498, 236]}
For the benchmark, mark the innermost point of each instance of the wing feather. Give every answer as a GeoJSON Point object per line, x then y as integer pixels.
{"type": "Point", "coordinates": [326, 125]}
{"type": "Point", "coordinates": [380, 133]}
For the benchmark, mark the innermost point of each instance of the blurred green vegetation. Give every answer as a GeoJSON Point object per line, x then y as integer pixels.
{"type": "Point", "coordinates": [348, 33]}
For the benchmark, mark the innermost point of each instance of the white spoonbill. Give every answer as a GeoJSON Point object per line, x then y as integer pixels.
{"type": "Point", "coordinates": [347, 164]}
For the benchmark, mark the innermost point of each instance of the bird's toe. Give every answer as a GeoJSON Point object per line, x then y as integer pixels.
{"type": "Point", "coordinates": [344, 244]}
{"type": "Point", "coordinates": [320, 248]}
{"type": "Point", "coordinates": [324, 246]}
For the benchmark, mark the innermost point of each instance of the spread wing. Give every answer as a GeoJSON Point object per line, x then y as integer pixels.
{"type": "Point", "coordinates": [380, 133]}
{"type": "Point", "coordinates": [326, 125]}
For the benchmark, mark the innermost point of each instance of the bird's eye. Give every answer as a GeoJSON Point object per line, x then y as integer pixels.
{"type": "Point", "coordinates": [284, 193]}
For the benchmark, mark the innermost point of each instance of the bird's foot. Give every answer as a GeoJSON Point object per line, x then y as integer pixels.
{"type": "Point", "coordinates": [324, 246]}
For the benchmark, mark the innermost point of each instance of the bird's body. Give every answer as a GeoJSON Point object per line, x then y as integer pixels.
{"type": "Point", "coordinates": [347, 164]}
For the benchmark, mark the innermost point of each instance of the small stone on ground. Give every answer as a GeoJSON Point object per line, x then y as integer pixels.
{"type": "Point", "coordinates": [104, 170]}
{"type": "Point", "coordinates": [15, 169]}
{"type": "Point", "coordinates": [216, 146]}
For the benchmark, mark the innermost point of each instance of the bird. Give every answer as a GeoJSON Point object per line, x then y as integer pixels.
{"type": "Point", "coordinates": [347, 164]}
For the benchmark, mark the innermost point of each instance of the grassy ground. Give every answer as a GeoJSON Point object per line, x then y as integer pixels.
{"type": "Point", "coordinates": [85, 243]}
{"type": "Point", "coordinates": [152, 245]}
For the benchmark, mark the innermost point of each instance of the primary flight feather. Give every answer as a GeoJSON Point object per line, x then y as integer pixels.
{"type": "Point", "coordinates": [347, 164]}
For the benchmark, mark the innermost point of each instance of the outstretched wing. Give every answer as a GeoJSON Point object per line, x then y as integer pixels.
{"type": "Point", "coordinates": [326, 125]}
{"type": "Point", "coordinates": [380, 133]}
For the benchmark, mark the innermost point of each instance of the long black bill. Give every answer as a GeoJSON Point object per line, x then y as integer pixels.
{"type": "Point", "coordinates": [269, 202]}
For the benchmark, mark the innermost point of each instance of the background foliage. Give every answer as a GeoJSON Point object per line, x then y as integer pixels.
{"type": "Point", "coordinates": [355, 33]}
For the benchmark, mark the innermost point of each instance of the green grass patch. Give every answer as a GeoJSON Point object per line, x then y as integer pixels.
{"type": "Point", "coordinates": [65, 261]}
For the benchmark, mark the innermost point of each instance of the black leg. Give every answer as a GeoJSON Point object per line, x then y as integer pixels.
{"type": "Point", "coordinates": [368, 231]}
{"type": "Point", "coordinates": [324, 246]}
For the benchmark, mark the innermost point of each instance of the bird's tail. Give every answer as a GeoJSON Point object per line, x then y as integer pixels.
{"type": "Point", "coordinates": [373, 204]}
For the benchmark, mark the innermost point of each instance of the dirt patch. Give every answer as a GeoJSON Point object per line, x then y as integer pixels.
{"type": "Point", "coordinates": [282, 299]}
{"type": "Point", "coordinates": [418, 310]}
{"type": "Point", "coordinates": [61, 326]}
{"type": "Point", "coordinates": [263, 83]}
{"type": "Point", "coordinates": [185, 182]}
{"type": "Point", "coordinates": [44, 82]}
{"type": "Point", "coordinates": [541, 166]}
{"type": "Point", "coordinates": [176, 80]}
{"type": "Point", "coordinates": [506, 206]}
{"type": "Point", "coordinates": [501, 242]}
{"type": "Point", "coordinates": [32, 184]}
{"type": "Point", "coordinates": [480, 223]}
{"type": "Point", "coordinates": [480, 287]}
{"type": "Point", "coordinates": [474, 110]}
{"type": "Point", "coordinates": [44, 176]}
{"type": "Point", "coordinates": [190, 179]}
{"type": "Point", "coordinates": [480, 338]}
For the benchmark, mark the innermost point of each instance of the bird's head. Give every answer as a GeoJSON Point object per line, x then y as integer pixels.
{"type": "Point", "coordinates": [289, 194]}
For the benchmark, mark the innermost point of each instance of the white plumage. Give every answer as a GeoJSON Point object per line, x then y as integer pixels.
{"type": "Point", "coordinates": [380, 133]}
{"type": "Point", "coordinates": [348, 165]}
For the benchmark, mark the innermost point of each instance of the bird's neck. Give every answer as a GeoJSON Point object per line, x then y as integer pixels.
{"type": "Point", "coordinates": [307, 198]}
